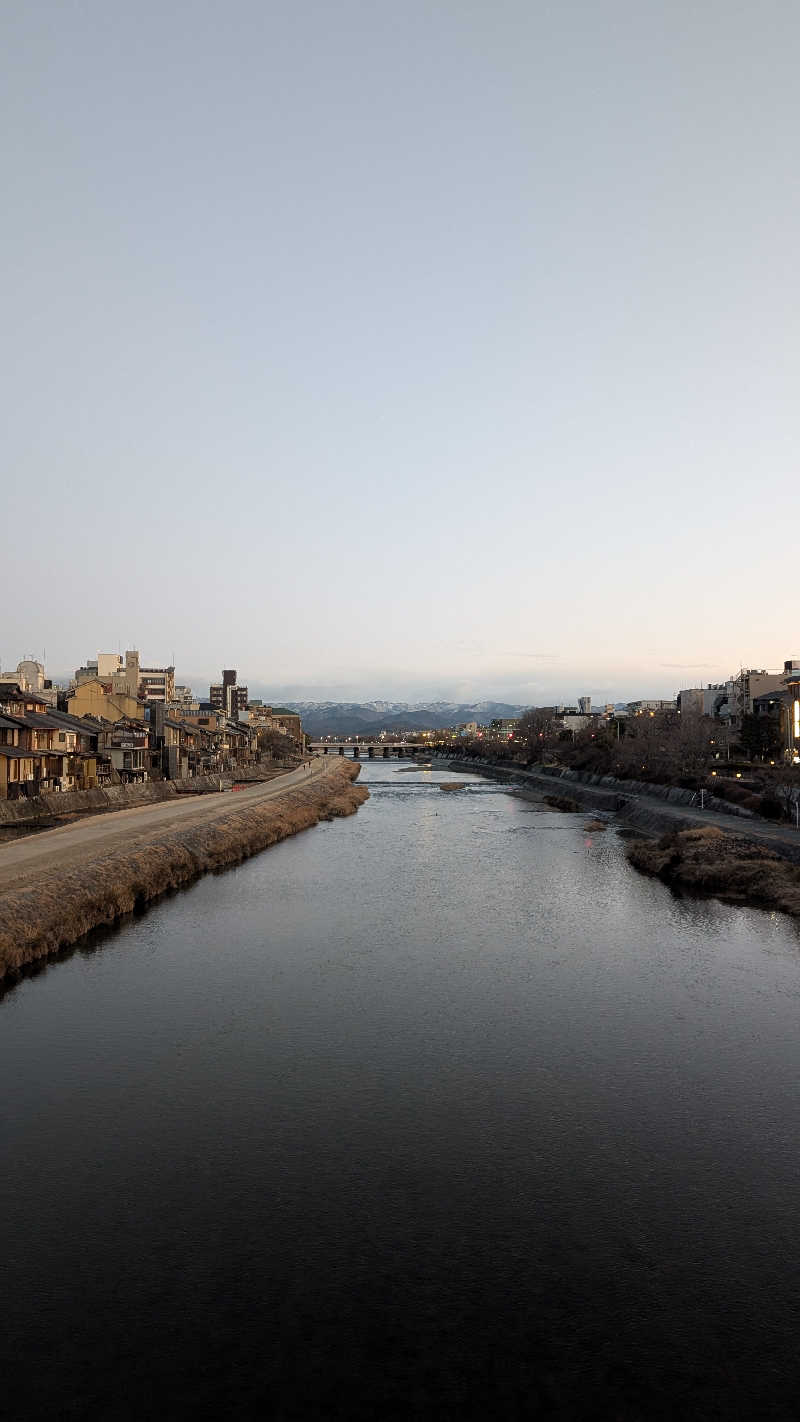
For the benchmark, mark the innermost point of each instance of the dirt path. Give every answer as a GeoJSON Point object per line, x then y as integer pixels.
{"type": "Point", "coordinates": [69, 844]}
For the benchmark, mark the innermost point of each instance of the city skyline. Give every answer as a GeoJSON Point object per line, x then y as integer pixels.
{"type": "Point", "coordinates": [665, 681]}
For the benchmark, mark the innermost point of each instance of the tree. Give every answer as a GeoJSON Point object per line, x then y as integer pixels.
{"type": "Point", "coordinates": [536, 727]}
{"type": "Point", "coordinates": [277, 744]}
{"type": "Point", "coordinates": [760, 736]}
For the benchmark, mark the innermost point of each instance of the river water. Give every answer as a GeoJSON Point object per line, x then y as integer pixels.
{"type": "Point", "coordinates": [440, 1110]}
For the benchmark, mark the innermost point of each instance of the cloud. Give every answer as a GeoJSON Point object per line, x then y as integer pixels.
{"type": "Point", "coordinates": [479, 649]}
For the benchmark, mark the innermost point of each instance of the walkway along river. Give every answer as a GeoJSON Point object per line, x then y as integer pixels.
{"type": "Point", "coordinates": [438, 1110]}
{"type": "Point", "coordinates": [56, 886]}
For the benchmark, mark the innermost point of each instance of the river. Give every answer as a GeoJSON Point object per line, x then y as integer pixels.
{"type": "Point", "coordinates": [436, 1111]}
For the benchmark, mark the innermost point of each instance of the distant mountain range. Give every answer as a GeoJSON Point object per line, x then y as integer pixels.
{"type": "Point", "coordinates": [353, 718]}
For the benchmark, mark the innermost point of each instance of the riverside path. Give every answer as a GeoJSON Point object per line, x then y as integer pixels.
{"type": "Point", "coordinates": [635, 807]}
{"type": "Point", "coordinates": [58, 848]}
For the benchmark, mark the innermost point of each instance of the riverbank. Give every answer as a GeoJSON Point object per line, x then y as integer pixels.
{"type": "Point", "coordinates": [64, 892]}
{"type": "Point", "coordinates": [725, 866]}
{"type": "Point", "coordinates": [650, 809]}
{"type": "Point", "coordinates": [19, 818]}
{"type": "Point", "coordinates": [733, 857]}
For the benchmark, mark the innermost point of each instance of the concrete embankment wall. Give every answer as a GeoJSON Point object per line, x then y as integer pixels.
{"type": "Point", "coordinates": [605, 792]}
{"type": "Point", "coordinates": [52, 908]}
{"type": "Point", "coordinates": [49, 809]}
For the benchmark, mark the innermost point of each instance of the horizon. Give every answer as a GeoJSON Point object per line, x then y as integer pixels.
{"type": "Point", "coordinates": [458, 694]}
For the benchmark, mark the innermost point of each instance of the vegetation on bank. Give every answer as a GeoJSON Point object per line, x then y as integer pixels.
{"type": "Point", "coordinates": [564, 803]}
{"type": "Point", "coordinates": [54, 907]}
{"type": "Point", "coordinates": [710, 861]}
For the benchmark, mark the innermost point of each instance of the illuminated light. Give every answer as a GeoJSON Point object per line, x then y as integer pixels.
{"type": "Point", "coordinates": [713, 772]}
{"type": "Point", "coordinates": [738, 775]}
{"type": "Point", "coordinates": [797, 720]}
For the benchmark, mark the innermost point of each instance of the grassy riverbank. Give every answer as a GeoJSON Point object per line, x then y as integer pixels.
{"type": "Point", "coordinates": [53, 908]}
{"type": "Point", "coordinates": [709, 861]}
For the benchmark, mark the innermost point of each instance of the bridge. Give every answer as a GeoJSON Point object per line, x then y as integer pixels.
{"type": "Point", "coordinates": [375, 750]}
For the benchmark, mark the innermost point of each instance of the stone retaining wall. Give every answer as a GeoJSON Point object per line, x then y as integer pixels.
{"type": "Point", "coordinates": [45, 809]}
{"type": "Point", "coordinates": [605, 793]}
{"type": "Point", "coordinates": [617, 792]}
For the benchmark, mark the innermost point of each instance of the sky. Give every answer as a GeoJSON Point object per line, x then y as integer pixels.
{"type": "Point", "coordinates": [435, 349]}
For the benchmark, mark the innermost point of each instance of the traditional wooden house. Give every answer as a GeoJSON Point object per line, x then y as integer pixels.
{"type": "Point", "coordinates": [127, 745]}
{"type": "Point", "coordinates": [16, 761]}
{"type": "Point", "coordinates": [15, 702]}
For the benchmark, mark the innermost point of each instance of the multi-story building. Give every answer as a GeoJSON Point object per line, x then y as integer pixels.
{"type": "Point", "coordinates": [227, 696]}
{"type": "Point", "coordinates": [99, 699]}
{"type": "Point", "coordinates": [126, 677]}
{"type": "Point", "coordinates": [157, 684]}
{"type": "Point", "coordinates": [31, 677]}
{"type": "Point", "coordinates": [749, 683]}
{"type": "Point", "coordinates": [643, 708]}
{"type": "Point", "coordinates": [108, 663]}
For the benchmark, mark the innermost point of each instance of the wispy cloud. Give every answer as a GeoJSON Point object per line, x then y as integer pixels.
{"type": "Point", "coordinates": [480, 649]}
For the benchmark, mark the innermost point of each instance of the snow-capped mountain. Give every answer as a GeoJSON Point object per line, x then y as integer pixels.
{"type": "Point", "coordinates": [349, 718]}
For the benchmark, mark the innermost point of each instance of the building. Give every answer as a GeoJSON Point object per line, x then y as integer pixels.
{"type": "Point", "coordinates": [108, 663]}
{"type": "Point", "coordinates": [105, 665]}
{"type": "Point", "coordinates": [228, 697]}
{"type": "Point", "coordinates": [126, 744]}
{"type": "Point", "coordinates": [184, 696]}
{"type": "Point", "coordinates": [288, 722]}
{"type": "Point", "coordinates": [126, 676]}
{"type": "Point", "coordinates": [99, 699]}
{"type": "Point", "coordinates": [88, 672]}
{"type": "Point", "coordinates": [644, 708]}
{"type": "Point", "coordinates": [749, 683]}
{"type": "Point", "coordinates": [791, 719]}
{"type": "Point", "coordinates": [31, 677]}
{"type": "Point", "coordinates": [503, 728]}
{"type": "Point", "coordinates": [42, 752]}
{"type": "Point", "coordinates": [157, 684]}
{"type": "Point", "coordinates": [16, 761]}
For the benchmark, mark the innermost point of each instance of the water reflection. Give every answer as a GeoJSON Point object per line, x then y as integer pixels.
{"type": "Point", "coordinates": [437, 1110]}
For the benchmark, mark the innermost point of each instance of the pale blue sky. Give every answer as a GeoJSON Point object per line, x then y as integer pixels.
{"type": "Point", "coordinates": [402, 349]}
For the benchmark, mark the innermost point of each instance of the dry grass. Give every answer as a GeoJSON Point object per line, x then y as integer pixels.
{"type": "Point", "coordinates": [57, 907]}
{"type": "Point", "coordinates": [710, 861]}
{"type": "Point", "coordinates": [563, 802]}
